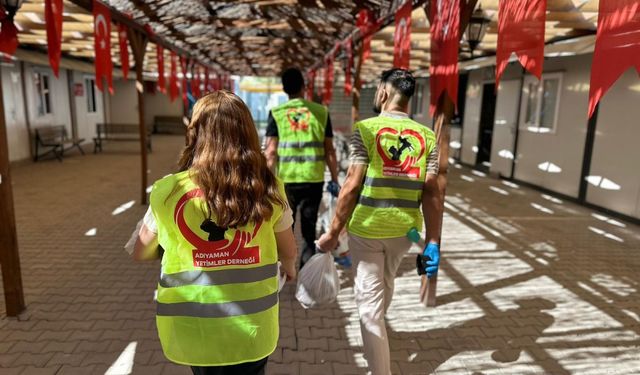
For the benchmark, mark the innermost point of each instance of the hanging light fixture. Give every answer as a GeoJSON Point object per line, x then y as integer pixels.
{"type": "Point", "coordinates": [11, 6]}
{"type": "Point", "coordinates": [476, 29]}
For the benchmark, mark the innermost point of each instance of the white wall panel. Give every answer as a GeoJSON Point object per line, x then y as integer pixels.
{"type": "Point", "coordinates": [471, 123]}
{"type": "Point", "coordinates": [124, 104]}
{"type": "Point", "coordinates": [159, 104]}
{"type": "Point", "coordinates": [563, 148]}
{"type": "Point", "coordinates": [59, 98]}
{"type": "Point", "coordinates": [87, 121]}
{"type": "Point", "coordinates": [504, 129]}
{"type": "Point", "coordinates": [616, 154]}
{"type": "Point", "coordinates": [17, 134]}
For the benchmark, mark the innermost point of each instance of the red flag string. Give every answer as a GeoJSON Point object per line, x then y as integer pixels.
{"type": "Point", "coordinates": [366, 24]}
{"type": "Point", "coordinates": [124, 51]}
{"type": "Point", "coordinates": [445, 31]}
{"type": "Point", "coordinates": [53, 19]}
{"type": "Point", "coordinates": [8, 34]}
{"type": "Point", "coordinates": [173, 77]}
{"type": "Point", "coordinates": [311, 80]}
{"type": "Point", "coordinates": [162, 84]}
{"type": "Point", "coordinates": [402, 36]}
{"type": "Point", "coordinates": [327, 93]}
{"type": "Point", "coordinates": [102, 37]}
{"type": "Point", "coordinates": [521, 26]}
{"type": "Point", "coordinates": [348, 85]}
{"type": "Point", "coordinates": [617, 46]}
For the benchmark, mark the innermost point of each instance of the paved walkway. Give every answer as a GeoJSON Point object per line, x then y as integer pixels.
{"type": "Point", "coordinates": [529, 285]}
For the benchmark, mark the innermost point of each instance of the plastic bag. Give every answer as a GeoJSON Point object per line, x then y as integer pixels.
{"type": "Point", "coordinates": [128, 247]}
{"type": "Point", "coordinates": [341, 253]}
{"type": "Point", "coordinates": [318, 281]}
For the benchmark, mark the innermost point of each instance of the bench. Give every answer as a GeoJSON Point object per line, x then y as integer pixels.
{"type": "Point", "coordinates": [168, 125]}
{"type": "Point", "coordinates": [118, 132]}
{"type": "Point", "coordinates": [54, 140]}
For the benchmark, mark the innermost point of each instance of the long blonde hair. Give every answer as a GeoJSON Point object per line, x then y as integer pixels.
{"type": "Point", "coordinates": [224, 157]}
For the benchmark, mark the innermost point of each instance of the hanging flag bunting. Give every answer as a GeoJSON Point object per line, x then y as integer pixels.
{"type": "Point", "coordinates": [207, 82]}
{"type": "Point", "coordinates": [521, 25]}
{"type": "Point", "coordinates": [53, 19]}
{"type": "Point", "coordinates": [124, 51]}
{"type": "Point", "coordinates": [162, 83]}
{"type": "Point", "coordinates": [365, 23]}
{"type": "Point", "coordinates": [102, 45]}
{"type": "Point", "coordinates": [402, 36]}
{"type": "Point", "coordinates": [617, 46]}
{"type": "Point", "coordinates": [327, 93]}
{"type": "Point", "coordinates": [8, 34]}
{"type": "Point", "coordinates": [348, 84]}
{"type": "Point", "coordinates": [311, 80]}
{"type": "Point", "coordinates": [445, 37]}
{"type": "Point", "coordinates": [173, 77]}
{"type": "Point", "coordinates": [195, 81]}
{"type": "Point", "coordinates": [184, 86]}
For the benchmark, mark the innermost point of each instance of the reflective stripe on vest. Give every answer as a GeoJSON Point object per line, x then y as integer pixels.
{"type": "Point", "coordinates": [388, 203]}
{"type": "Point", "coordinates": [393, 183]}
{"type": "Point", "coordinates": [300, 144]}
{"type": "Point", "coordinates": [301, 129]}
{"type": "Point", "coordinates": [220, 277]}
{"type": "Point", "coordinates": [218, 310]}
{"type": "Point", "coordinates": [300, 159]}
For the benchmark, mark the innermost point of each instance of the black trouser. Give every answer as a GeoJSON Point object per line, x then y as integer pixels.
{"type": "Point", "coordinates": [248, 368]}
{"type": "Point", "coordinates": [308, 197]}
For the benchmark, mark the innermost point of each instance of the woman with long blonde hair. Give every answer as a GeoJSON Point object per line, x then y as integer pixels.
{"type": "Point", "coordinates": [224, 224]}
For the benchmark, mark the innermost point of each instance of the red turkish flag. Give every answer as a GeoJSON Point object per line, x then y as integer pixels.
{"type": "Point", "coordinates": [102, 45]}
{"type": "Point", "coordinates": [311, 78]}
{"type": "Point", "coordinates": [521, 30]}
{"type": "Point", "coordinates": [162, 82]}
{"type": "Point", "coordinates": [445, 37]}
{"type": "Point", "coordinates": [124, 51]}
{"type": "Point", "coordinates": [617, 46]}
{"type": "Point", "coordinates": [402, 37]}
{"type": "Point", "coordinates": [365, 22]}
{"type": "Point", "coordinates": [327, 93]}
{"type": "Point", "coordinates": [348, 84]}
{"type": "Point", "coordinates": [53, 19]}
{"type": "Point", "coordinates": [185, 89]}
{"type": "Point", "coordinates": [8, 34]}
{"type": "Point", "coordinates": [195, 82]}
{"type": "Point", "coordinates": [207, 81]}
{"type": "Point", "coordinates": [173, 77]}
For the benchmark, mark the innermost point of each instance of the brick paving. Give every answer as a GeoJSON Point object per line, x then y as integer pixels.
{"type": "Point", "coordinates": [529, 284]}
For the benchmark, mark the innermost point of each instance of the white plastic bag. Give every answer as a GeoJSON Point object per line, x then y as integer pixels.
{"type": "Point", "coordinates": [318, 281]}
{"type": "Point", "coordinates": [128, 247]}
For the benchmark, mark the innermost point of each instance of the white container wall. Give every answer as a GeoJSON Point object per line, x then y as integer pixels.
{"type": "Point", "coordinates": [614, 180]}
{"type": "Point", "coordinates": [17, 132]}
{"type": "Point", "coordinates": [471, 122]}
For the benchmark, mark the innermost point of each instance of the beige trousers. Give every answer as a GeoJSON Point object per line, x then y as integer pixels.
{"type": "Point", "coordinates": [375, 263]}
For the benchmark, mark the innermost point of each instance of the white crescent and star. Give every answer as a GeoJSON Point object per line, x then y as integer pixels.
{"type": "Point", "coordinates": [101, 25]}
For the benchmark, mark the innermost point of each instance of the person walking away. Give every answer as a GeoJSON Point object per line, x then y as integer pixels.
{"type": "Point", "coordinates": [300, 142]}
{"type": "Point", "coordinates": [223, 223]}
{"type": "Point", "coordinates": [393, 172]}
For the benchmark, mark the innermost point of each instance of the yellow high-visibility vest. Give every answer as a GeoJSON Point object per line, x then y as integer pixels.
{"type": "Point", "coordinates": [391, 196]}
{"type": "Point", "coordinates": [218, 291]}
{"type": "Point", "coordinates": [301, 128]}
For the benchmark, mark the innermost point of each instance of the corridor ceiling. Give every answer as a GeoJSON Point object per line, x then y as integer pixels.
{"type": "Point", "coordinates": [262, 37]}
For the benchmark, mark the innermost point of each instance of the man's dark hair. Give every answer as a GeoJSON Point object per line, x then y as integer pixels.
{"type": "Point", "coordinates": [401, 79]}
{"type": "Point", "coordinates": [292, 81]}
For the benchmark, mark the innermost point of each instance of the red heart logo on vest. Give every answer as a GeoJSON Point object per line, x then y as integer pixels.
{"type": "Point", "coordinates": [220, 252]}
{"type": "Point", "coordinates": [398, 160]}
{"type": "Point", "coordinates": [299, 118]}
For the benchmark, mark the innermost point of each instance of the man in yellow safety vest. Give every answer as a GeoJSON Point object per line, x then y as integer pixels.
{"type": "Point", "coordinates": [300, 143]}
{"type": "Point", "coordinates": [393, 173]}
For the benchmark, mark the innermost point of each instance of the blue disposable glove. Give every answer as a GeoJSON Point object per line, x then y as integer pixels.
{"type": "Point", "coordinates": [432, 252]}
{"type": "Point", "coordinates": [333, 188]}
